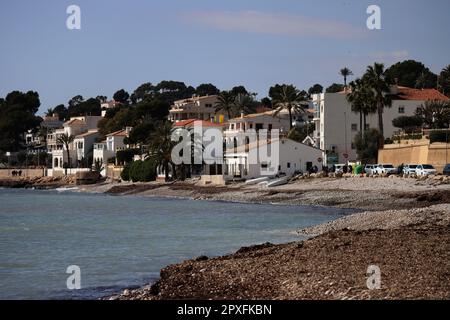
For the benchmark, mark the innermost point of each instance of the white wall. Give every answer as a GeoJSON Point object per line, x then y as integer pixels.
{"type": "Point", "coordinates": [88, 143]}
{"type": "Point", "coordinates": [293, 156]}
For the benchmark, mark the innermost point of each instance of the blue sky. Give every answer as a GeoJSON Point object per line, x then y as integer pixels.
{"type": "Point", "coordinates": [256, 43]}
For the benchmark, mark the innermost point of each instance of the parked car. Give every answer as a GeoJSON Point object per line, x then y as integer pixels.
{"type": "Point", "coordinates": [446, 171]}
{"type": "Point", "coordinates": [369, 168]}
{"type": "Point", "coordinates": [425, 170]}
{"type": "Point", "coordinates": [385, 169]}
{"type": "Point", "coordinates": [409, 169]}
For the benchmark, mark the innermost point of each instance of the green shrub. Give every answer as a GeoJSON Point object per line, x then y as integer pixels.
{"type": "Point", "coordinates": [125, 174]}
{"type": "Point", "coordinates": [142, 171]}
{"type": "Point", "coordinates": [439, 136]}
{"type": "Point", "coordinates": [148, 171]}
{"type": "Point", "coordinates": [135, 170]}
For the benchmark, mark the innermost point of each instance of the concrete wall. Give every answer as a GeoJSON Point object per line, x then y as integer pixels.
{"type": "Point", "coordinates": [59, 172]}
{"type": "Point", "coordinates": [215, 179]}
{"type": "Point", "coordinates": [113, 172]}
{"type": "Point", "coordinates": [6, 173]}
{"type": "Point", "coordinates": [436, 154]}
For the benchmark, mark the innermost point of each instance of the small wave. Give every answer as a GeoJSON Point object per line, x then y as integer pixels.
{"type": "Point", "coordinates": [64, 189]}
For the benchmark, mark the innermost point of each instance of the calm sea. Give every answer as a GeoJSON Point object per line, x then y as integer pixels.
{"type": "Point", "coordinates": [121, 242]}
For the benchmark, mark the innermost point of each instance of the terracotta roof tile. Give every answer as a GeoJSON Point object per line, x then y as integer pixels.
{"type": "Point", "coordinates": [119, 133]}
{"type": "Point", "coordinates": [75, 122]}
{"type": "Point", "coordinates": [405, 93]}
{"type": "Point", "coordinates": [86, 134]}
{"type": "Point", "coordinates": [192, 122]}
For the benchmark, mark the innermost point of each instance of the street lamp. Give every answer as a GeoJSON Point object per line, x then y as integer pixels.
{"type": "Point", "coordinates": [345, 136]}
{"type": "Point", "coordinates": [8, 154]}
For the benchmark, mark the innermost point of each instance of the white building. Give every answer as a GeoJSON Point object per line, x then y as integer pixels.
{"type": "Point", "coordinates": [291, 157]}
{"type": "Point", "coordinates": [336, 125]}
{"type": "Point", "coordinates": [83, 144]}
{"type": "Point", "coordinates": [200, 108]}
{"type": "Point", "coordinates": [258, 121]}
{"type": "Point", "coordinates": [75, 126]}
{"type": "Point", "coordinates": [105, 150]}
{"type": "Point", "coordinates": [84, 130]}
{"type": "Point", "coordinates": [105, 106]}
{"type": "Point", "coordinates": [80, 151]}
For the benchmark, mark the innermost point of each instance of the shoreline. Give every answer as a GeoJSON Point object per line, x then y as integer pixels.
{"type": "Point", "coordinates": [409, 216]}
{"type": "Point", "coordinates": [401, 224]}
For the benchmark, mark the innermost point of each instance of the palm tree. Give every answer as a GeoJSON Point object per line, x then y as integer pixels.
{"type": "Point", "coordinates": [435, 114]}
{"type": "Point", "coordinates": [245, 103]}
{"type": "Point", "coordinates": [376, 80]}
{"type": "Point", "coordinates": [345, 72]}
{"type": "Point", "coordinates": [161, 146]}
{"type": "Point", "coordinates": [226, 103]}
{"type": "Point", "coordinates": [290, 98]}
{"type": "Point", "coordinates": [354, 97]}
{"type": "Point", "coordinates": [49, 112]}
{"type": "Point", "coordinates": [66, 139]}
{"type": "Point", "coordinates": [362, 100]}
{"type": "Point", "coordinates": [421, 81]}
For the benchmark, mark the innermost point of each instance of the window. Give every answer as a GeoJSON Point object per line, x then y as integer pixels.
{"type": "Point", "coordinates": [288, 165]}
{"type": "Point", "coordinates": [232, 126]}
{"type": "Point", "coordinates": [251, 125]}
{"type": "Point", "coordinates": [354, 127]}
{"type": "Point", "coordinates": [259, 126]}
{"type": "Point", "coordinates": [401, 109]}
{"type": "Point", "coordinates": [353, 146]}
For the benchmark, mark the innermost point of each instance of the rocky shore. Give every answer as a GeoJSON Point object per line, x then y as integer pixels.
{"type": "Point", "coordinates": [37, 182]}
{"type": "Point", "coordinates": [405, 231]}
{"type": "Point", "coordinates": [414, 264]}
{"type": "Point", "coordinates": [403, 228]}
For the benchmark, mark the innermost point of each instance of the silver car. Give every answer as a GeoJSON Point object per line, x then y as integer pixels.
{"type": "Point", "coordinates": [425, 170]}
{"type": "Point", "coordinates": [385, 169]}
{"type": "Point", "coordinates": [410, 169]}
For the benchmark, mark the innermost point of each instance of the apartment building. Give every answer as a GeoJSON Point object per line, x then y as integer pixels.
{"type": "Point", "coordinates": [336, 125]}
{"type": "Point", "coordinates": [197, 107]}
